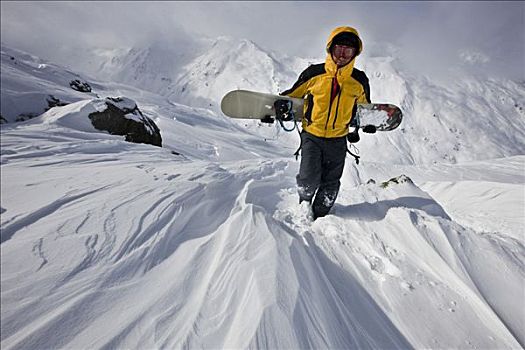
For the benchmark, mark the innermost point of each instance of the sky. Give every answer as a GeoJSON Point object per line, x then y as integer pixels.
{"type": "Point", "coordinates": [432, 37]}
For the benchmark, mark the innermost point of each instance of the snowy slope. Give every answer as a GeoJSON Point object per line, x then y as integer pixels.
{"type": "Point", "coordinates": [29, 84]}
{"type": "Point", "coordinates": [108, 244]}
{"type": "Point", "coordinates": [467, 119]}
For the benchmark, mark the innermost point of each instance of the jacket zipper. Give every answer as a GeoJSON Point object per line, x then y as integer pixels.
{"type": "Point", "coordinates": [337, 107]}
{"type": "Point", "coordinates": [330, 107]}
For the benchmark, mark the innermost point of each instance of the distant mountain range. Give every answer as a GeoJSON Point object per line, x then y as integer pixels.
{"type": "Point", "coordinates": [471, 119]}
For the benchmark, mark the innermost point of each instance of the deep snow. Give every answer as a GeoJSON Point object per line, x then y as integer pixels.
{"type": "Point", "coordinates": [108, 244]}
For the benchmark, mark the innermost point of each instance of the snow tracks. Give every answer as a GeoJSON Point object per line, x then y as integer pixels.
{"type": "Point", "coordinates": [112, 245]}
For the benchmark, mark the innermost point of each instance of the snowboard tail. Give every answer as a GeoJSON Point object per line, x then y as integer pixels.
{"type": "Point", "coordinates": [383, 116]}
{"type": "Point", "coordinates": [244, 104]}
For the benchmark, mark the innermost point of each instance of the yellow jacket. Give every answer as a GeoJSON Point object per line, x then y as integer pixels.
{"type": "Point", "coordinates": [322, 118]}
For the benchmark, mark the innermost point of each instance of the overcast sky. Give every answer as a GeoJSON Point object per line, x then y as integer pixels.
{"type": "Point", "coordinates": [430, 36]}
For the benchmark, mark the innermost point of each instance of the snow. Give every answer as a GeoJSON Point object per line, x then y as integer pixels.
{"type": "Point", "coordinates": [28, 83]}
{"type": "Point", "coordinates": [203, 244]}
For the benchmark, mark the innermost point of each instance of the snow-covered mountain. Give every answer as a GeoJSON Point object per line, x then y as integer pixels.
{"type": "Point", "coordinates": [201, 243]}
{"type": "Point", "coordinates": [230, 64]}
{"type": "Point", "coordinates": [443, 121]}
{"type": "Point", "coordinates": [153, 68]}
{"type": "Point", "coordinates": [468, 119]}
{"type": "Point", "coordinates": [198, 73]}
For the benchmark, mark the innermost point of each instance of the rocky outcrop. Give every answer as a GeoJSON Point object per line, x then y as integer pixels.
{"type": "Point", "coordinates": [52, 101]}
{"type": "Point", "coordinates": [123, 117]}
{"type": "Point", "coordinates": [401, 179]}
{"type": "Point", "coordinates": [79, 85]}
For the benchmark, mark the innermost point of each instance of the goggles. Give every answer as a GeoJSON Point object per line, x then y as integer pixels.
{"type": "Point", "coordinates": [343, 50]}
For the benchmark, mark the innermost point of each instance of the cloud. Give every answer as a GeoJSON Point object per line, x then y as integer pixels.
{"type": "Point", "coordinates": [102, 24]}
{"type": "Point", "coordinates": [473, 57]}
{"type": "Point", "coordinates": [431, 38]}
{"type": "Point", "coordinates": [427, 35]}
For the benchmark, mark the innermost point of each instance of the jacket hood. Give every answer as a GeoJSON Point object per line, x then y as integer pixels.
{"type": "Point", "coordinates": [330, 65]}
{"type": "Point", "coordinates": [340, 30]}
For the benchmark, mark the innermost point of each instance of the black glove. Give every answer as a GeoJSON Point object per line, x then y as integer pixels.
{"type": "Point", "coordinates": [283, 110]}
{"type": "Point", "coordinates": [369, 129]}
{"type": "Point", "coordinates": [353, 137]}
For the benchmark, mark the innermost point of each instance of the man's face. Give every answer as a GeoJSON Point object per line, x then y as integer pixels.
{"type": "Point", "coordinates": [342, 55]}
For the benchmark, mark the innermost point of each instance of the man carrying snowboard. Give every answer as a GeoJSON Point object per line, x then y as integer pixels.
{"type": "Point", "coordinates": [332, 91]}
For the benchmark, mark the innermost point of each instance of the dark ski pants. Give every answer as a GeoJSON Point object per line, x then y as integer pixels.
{"type": "Point", "coordinates": [322, 164]}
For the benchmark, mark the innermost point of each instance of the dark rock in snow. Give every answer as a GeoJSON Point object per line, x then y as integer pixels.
{"type": "Point", "coordinates": [52, 101]}
{"type": "Point", "coordinates": [401, 179]}
{"type": "Point", "coordinates": [25, 116]}
{"type": "Point", "coordinates": [79, 85]}
{"type": "Point", "coordinates": [123, 117]}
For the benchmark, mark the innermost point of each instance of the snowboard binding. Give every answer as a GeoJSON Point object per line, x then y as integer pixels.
{"type": "Point", "coordinates": [283, 110]}
{"type": "Point", "coordinates": [369, 129]}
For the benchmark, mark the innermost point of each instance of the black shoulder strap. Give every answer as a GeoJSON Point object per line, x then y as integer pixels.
{"type": "Point", "coordinates": [361, 77]}
{"type": "Point", "coordinates": [307, 74]}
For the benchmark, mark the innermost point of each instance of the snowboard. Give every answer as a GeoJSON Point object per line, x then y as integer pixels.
{"type": "Point", "coordinates": [245, 104]}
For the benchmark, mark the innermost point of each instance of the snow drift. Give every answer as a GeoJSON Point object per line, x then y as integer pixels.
{"type": "Point", "coordinates": [202, 244]}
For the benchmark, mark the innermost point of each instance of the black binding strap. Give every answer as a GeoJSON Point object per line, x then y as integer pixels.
{"type": "Point", "coordinates": [356, 157]}
{"type": "Point", "coordinates": [296, 154]}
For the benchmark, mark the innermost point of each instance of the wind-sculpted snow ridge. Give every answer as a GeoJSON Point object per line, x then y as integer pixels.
{"type": "Point", "coordinates": [114, 245]}
{"type": "Point", "coordinates": [414, 259]}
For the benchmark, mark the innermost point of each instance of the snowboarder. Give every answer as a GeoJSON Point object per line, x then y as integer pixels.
{"type": "Point", "coordinates": [331, 90]}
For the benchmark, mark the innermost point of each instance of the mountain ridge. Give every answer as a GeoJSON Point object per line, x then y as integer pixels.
{"type": "Point", "coordinates": [448, 118]}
